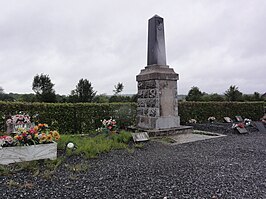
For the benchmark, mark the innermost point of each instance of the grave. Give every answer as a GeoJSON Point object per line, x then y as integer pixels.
{"type": "Point", "coordinates": [228, 119]}
{"type": "Point", "coordinates": [140, 137]}
{"type": "Point", "coordinates": [260, 127]}
{"type": "Point", "coordinates": [157, 109]}
{"type": "Point", "coordinates": [241, 130]}
{"type": "Point", "coordinates": [239, 118]}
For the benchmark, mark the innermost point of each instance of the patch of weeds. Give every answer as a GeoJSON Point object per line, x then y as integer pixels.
{"type": "Point", "coordinates": [78, 168]}
{"type": "Point", "coordinates": [12, 183]}
{"type": "Point", "coordinates": [138, 145]}
{"type": "Point", "coordinates": [204, 133]}
{"type": "Point", "coordinates": [31, 166]}
{"type": "Point", "coordinates": [50, 167]}
{"type": "Point", "coordinates": [167, 140]}
{"type": "Point", "coordinates": [53, 164]}
{"type": "Point", "coordinates": [130, 150]}
{"type": "Point", "coordinates": [4, 170]}
{"type": "Point", "coordinates": [27, 185]}
{"type": "Point", "coordinates": [91, 147]}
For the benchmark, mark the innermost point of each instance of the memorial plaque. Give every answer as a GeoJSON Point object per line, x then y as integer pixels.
{"type": "Point", "coordinates": [228, 119]}
{"type": "Point", "coordinates": [140, 137]}
{"type": "Point", "coordinates": [260, 127]}
{"type": "Point", "coordinates": [241, 130]}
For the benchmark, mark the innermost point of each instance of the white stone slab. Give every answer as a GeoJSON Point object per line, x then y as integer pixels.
{"type": "Point", "coordinates": [28, 153]}
{"type": "Point", "coordinates": [140, 137]}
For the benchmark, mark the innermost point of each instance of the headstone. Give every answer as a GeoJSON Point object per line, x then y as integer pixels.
{"type": "Point", "coordinates": [157, 84]}
{"type": "Point", "coordinates": [140, 137]}
{"type": "Point", "coordinates": [239, 119]}
{"type": "Point", "coordinates": [241, 130]}
{"type": "Point", "coordinates": [228, 119]}
{"type": "Point", "coordinates": [260, 127]}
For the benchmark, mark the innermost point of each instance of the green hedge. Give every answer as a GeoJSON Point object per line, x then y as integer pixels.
{"type": "Point", "coordinates": [84, 117]}
{"type": "Point", "coordinates": [73, 118]}
{"type": "Point", "coordinates": [201, 111]}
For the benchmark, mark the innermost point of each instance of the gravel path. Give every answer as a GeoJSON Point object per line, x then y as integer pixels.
{"type": "Point", "coordinates": [233, 166]}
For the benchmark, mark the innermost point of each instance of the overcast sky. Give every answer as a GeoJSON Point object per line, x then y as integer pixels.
{"type": "Point", "coordinates": [211, 44]}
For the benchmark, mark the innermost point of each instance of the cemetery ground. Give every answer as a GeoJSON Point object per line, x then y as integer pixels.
{"type": "Point", "coordinates": [231, 166]}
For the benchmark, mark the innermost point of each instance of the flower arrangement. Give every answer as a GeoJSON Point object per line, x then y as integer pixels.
{"type": "Point", "coordinates": [23, 136]}
{"type": "Point", "coordinates": [247, 122]}
{"type": "Point", "coordinates": [6, 140]}
{"type": "Point", "coordinates": [192, 121]}
{"type": "Point", "coordinates": [211, 119]}
{"type": "Point", "coordinates": [39, 134]}
{"type": "Point", "coordinates": [108, 126]}
{"type": "Point", "coordinates": [20, 120]}
{"type": "Point", "coordinates": [239, 125]}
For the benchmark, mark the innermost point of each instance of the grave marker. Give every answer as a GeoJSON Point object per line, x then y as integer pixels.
{"type": "Point", "coordinates": [228, 119]}
{"type": "Point", "coordinates": [260, 127]}
{"type": "Point", "coordinates": [241, 130]}
{"type": "Point", "coordinates": [140, 137]}
{"type": "Point", "coordinates": [239, 118]}
{"type": "Point", "coordinates": [157, 84]}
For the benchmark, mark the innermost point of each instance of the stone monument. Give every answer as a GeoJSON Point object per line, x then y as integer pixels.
{"type": "Point", "coordinates": [157, 84]}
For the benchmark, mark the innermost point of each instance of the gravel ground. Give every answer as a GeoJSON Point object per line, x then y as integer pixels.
{"type": "Point", "coordinates": [233, 166]}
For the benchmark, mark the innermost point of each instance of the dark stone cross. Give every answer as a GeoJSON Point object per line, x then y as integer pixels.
{"type": "Point", "coordinates": [156, 42]}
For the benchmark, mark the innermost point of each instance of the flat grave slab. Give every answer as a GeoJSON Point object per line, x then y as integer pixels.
{"type": "Point", "coordinates": [260, 127]}
{"type": "Point", "coordinates": [241, 130]}
{"type": "Point", "coordinates": [196, 135]}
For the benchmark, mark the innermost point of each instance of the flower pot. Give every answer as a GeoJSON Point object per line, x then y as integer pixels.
{"type": "Point", "coordinates": [28, 153]}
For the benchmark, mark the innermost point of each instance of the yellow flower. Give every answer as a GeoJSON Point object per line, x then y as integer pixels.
{"type": "Point", "coordinates": [55, 133]}
{"type": "Point", "coordinates": [43, 138]}
{"type": "Point", "coordinates": [49, 138]}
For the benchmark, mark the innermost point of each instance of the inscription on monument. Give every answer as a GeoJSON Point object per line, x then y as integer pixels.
{"type": "Point", "coordinates": [148, 98]}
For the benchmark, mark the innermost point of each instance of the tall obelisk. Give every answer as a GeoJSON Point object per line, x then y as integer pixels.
{"type": "Point", "coordinates": [156, 43]}
{"type": "Point", "coordinates": [157, 84]}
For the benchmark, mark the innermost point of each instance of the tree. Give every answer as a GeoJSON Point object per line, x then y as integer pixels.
{"type": "Point", "coordinates": [233, 94]}
{"type": "Point", "coordinates": [1, 90]}
{"type": "Point", "coordinates": [194, 94]}
{"type": "Point", "coordinates": [256, 96]}
{"type": "Point", "coordinates": [83, 93]}
{"type": "Point", "coordinates": [118, 88]}
{"type": "Point", "coordinates": [27, 98]}
{"type": "Point", "coordinates": [102, 98]}
{"type": "Point", "coordinates": [212, 97]}
{"type": "Point", "coordinates": [43, 87]}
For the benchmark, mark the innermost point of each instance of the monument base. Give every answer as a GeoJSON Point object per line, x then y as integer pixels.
{"type": "Point", "coordinates": [164, 132]}
{"type": "Point", "coordinates": [164, 122]}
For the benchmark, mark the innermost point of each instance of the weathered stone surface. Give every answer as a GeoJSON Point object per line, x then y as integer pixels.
{"type": "Point", "coordinates": [157, 84]}
{"type": "Point", "coordinates": [28, 153]}
{"type": "Point", "coordinates": [156, 42]}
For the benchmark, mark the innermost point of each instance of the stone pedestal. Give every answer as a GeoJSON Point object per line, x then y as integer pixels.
{"type": "Point", "coordinates": [157, 98]}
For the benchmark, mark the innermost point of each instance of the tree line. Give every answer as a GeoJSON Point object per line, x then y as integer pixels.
{"type": "Point", "coordinates": [44, 92]}
{"type": "Point", "coordinates": [84, 92]}
{"type": "Point", "coordinates": [231, 94]}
